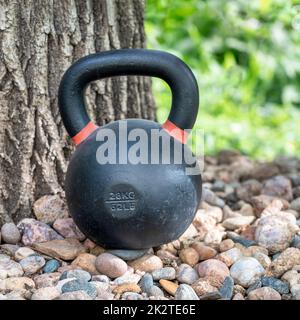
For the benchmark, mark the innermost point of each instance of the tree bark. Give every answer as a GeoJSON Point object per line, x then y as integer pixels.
{"type": "Point", "coordinates": [39, 40]}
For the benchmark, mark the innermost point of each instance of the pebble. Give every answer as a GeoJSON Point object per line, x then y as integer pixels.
{"type": "Point", "coordinates": [68, 229]}
{"type": "Point", "coordinates": [276, 284]}
{"type": "Point", "coordinates": [278, 186]}
{"type": "Point", "coordinates": [101, 278]}
{"type": "Point", "coordinates": [263, 259]}
{"type": "Point", "coordinates": [189, 256]}
{"type": "Point", "coordinates": [167, 273]}
{"type": "Point", "coordinates": [128, 255]}
{"type": "Point", "coordinates": [128, 278]}
{"type": "Point", "coordinates": [78, 274]}
{"type": "Point", "coordinates": [214, 237]}
{"type": "Point", "coordinates": [237, 239]}
{"type": "Point", "coordinates": [274, 233]}
{"type": "Point", "coordinates": [204, 252]}
{"type": "Point", "coordinates": [75, 295]}
{"type": "Point", "coordinates": [213, 267]}
{"type": "Point", "coordinates": [9, 248]}
{"type": "Point", "coordinates": [257, 284]}
{"type": "Point", "coordinates": [186, 274]}
{"type": "Point", "coordinates": [16, 283]}
{"type": "Point", "coordinates": [226, 245]}
{"type": "Point", "coordinates": [46, 293]}
{"type": "Point", "coordinates": [23, 252]}
{"type": "Point", "coordinates": [34, 231]}
{"type": "Point", "coordinates": [295, 290]}
{"type": "Point", "coordinates": [67, 249]}
{"type": "Point", "coordinates": [46, 280]}
{"type": "Point", "coordinates": [132, 296]}
{"type": "Point", "coordinates": [209, 197]}
{"type": "Point", "coordinates": [78, 285]}
{"type": "Point", "coordinates": [296, 242]}
{"type": "Point", "coordinates": [230, 256]}
{"type": "Point", "coordinates": [246, 271]}
{"type": "Point", "coordinates": [127, 287]}
{"type": "Point", "coordinates": [203, 286]}
{"type": "Point", "coordinates": [10, 233]}
{"type": "Point", "coordinates": [147, 263]}
{"type": "Point", "coordinates": [226, 290]}
{"type": "Point", "coordinates": [248, 189]}
{"type": "Point", "coordinates": [168, 286]}
{"type": "Point", "coordinates": [264, 293]}
{"type": "Point", "coordinates": [32, 264]}
{"type": "Point", "coordinates": [110, 265]}
{"type": "Point", "coordinates": [146, 282]}
{"type": "Point", "coordinates": [237, 222]}
{"type": "Point", "coordinates": [51, 266]}
{"type": "Point", "coordinates": [285, 261]}
{"type": "Point", "coordinates": [185, 292]}
{"type": "Point", "coordinates": [49, 208]}
{"type": "Point", "coordinates": [215, 295]}
{"type": "Point", "coordinates": [10, 268]}
{"type": "Point", "coordinates": [87, 262]}
{"type": "Point", "coordinates": [295, 205]}
{"type": "Point", "coordinates": [238, 296]}
{"type": "Point", "coordinates": [156, 292]}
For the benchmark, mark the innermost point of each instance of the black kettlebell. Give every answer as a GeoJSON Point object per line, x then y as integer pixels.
{"type": "Point", "coordinates": [133, 204]}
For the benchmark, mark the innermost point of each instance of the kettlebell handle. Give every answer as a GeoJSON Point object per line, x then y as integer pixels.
{"type": "Point", "coordinates": [143, 62]}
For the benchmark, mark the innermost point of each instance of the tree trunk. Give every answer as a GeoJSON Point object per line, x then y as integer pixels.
{"type": "Point", "coordinates": [39, 40]}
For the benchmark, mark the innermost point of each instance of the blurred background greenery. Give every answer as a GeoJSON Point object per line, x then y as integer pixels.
{"type": "Point", "coordinates": [246, 57]}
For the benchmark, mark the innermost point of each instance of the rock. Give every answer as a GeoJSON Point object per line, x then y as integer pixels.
{"type": "Point", "coordinates": [132, 296]}
{"type": "Point", "coordinates": [10, 233]}
{"type": "Point", "coordinates": [147, 263]}
{"type": "Point", "coordinates": [238, 222]}
{"type": "Point", "coordinates": [23, 252]}
{"type": "Point", "coordinates": [9, 248]}
{"type": "Point", "coordinates": [104, 295]}
{"type": "Point", "coordinates": [295, 290]}
{"type": "Point", "coordinates": [214, 237]}
{"type": "Point", "coordinates": [110, 265]}
{"type": "Point", "coordinates": [186, 274]}
{"type": "Point", "coordinates": [16, 283]}
{"type": "Point", "coordinates": [49, 208]}
{"type": "Point", "coordinates": [128, 255]}
{"type": "Point", "coordinates": [10, 268]}
{"type": "Point", "coordinates": [68, 229]}
{"type": "Point", "coordinates": [67, 249]}
{"type": "Point", "coordinates": [146, 283]}
{"type": "Point", "coordinates": [32, 264]}
{"type": "Point", "coordinates": [248, 189]}
{"type": "Point", "coordinates": [257, 284]}
{"type": "Point", "coordinates": [203, 287]}
{"type": "Point", "coordinates": [166, 257]}
{"type": "Point", "coordinates": [36, 231]}
{"type": "Point", "coordinates": [168, 286]}
{"type": "Point", "coordinates": [276, 284]}
{"type": "Point", "coordinates": [218, 185]}
{"type": "Point", "coordinates": [264, 293]}
{"type": "Point", "coordinates": [77, 274]}
{"type": "Point", "coordinates": [127, 278]}
{"type": "Point", "coordinates": [215, 295]}
{"type": "Point", "coordinates": [226, 290]}
{"type": "Point", "coordinates": [274, 233]}
{"type": "Point", "coordinates": [237, 239]}
{"type": "Point", "coordinates": [189, 256]}
{"type": "Point", "coordinates": [246, 271]}
{"type": "Point", "coordinates": [231, 256]}
{"type": "Point", "coordinates": [127, 287]}
{"type": "Point", "coordinates": [238, 296]}
{"type": "Point", "coordinates": [296, 242]}
{"type": "Point", "coordinates": [46, 280]}
{"type": "Point", "coordinates": [189, 233]}
{"type": "Point", "coordinates": [209, 197]}
{"type": "Point", "coordinates": [97, 251]}
{"type": "Point", "coordinates": [247, 210]}
{"type": "Point", "coordinates": [226, 245]}
{"type": "Point", "coordinates": [239, 289]}
{"type": "Point", "coordinates": [51, 266]}
{"type": "Point", "coordinates": [278, 186]}
{"type": "Point", "coordinates": [167, 273]}
{"type": "Point", "coordinates": [261, 202]}
{"type": "Point", "coordinates": [156, 292]}
{"type": "Point", "coordinates": [204, 252]}
{"type": "Point", "coordinates": [101, 278]}
{"type": "Point", "coordinates": [87, 262]}
{"type": "Point", "coordinates": [18, 295]}
{"type": "Point", "coordinates": [286, 261]}
{"type": "Point", "coordinates": [295, 205]}
{"type": "Point", "coordinates": [47, 293]}
{"type": "Point", "coordinates": [79, 285]}
{"type": "Point", "coordinates": [263, 259]}
{"type": "Point", "coordinates": [292, 277]}
{"type": "Point", "coordinates": [75, 295]}
{"type": "Point", "coordinates": [185, 292]}
{"type": "Point", "coordinates": [264, 171]}
{"type": "Point", "coordinates": [213, 267]}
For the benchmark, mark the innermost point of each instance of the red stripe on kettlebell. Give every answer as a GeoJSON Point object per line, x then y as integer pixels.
{"type": "Point", "coordinates": [175, 132]}
{"type": "Point", "coordinates": [84, 133]}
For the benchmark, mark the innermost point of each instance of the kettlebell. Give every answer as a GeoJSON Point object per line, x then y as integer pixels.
{"type": "Point", "coordinates": [134, 204]}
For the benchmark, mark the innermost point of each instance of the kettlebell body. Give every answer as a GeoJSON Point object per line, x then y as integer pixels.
{"type": "Point", "coordinates": [116, 202]}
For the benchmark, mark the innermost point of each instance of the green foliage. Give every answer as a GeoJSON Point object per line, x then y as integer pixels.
{"type": "Point", "coordinates": [246, 57]}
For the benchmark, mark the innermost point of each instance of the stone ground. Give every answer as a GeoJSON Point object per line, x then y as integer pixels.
{"type": "Point", "coordinates": [244, 243]}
